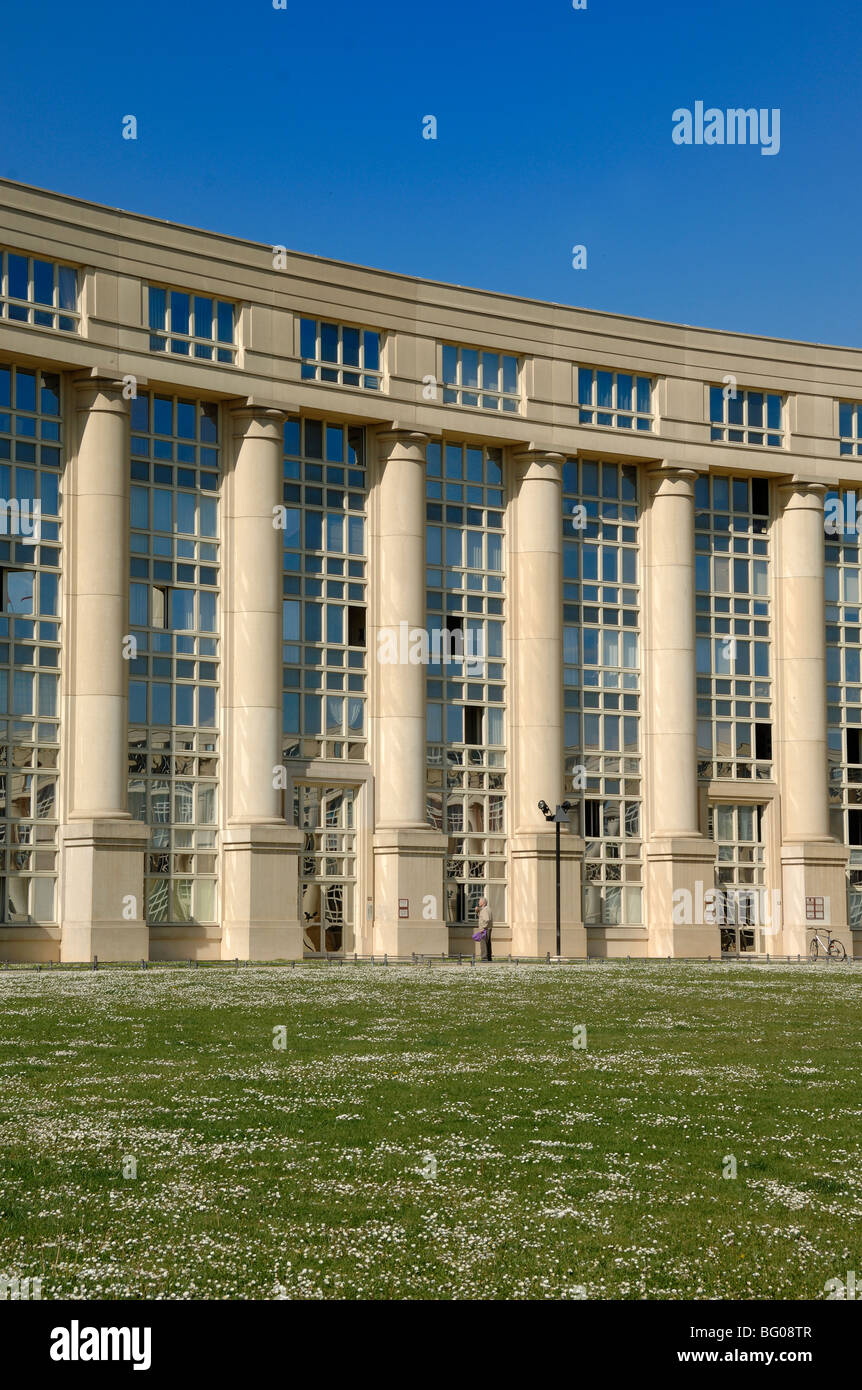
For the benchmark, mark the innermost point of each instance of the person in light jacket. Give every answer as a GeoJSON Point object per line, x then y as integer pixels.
{"type": "Point", "coordinates": [486, 924]}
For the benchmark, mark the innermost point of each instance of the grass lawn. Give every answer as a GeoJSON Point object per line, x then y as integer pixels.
{"type": "Point", "coordinates": [431, 1132]}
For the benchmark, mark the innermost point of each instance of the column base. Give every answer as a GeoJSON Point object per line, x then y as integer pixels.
{"type": "Point", "coordinates": [813, 869]}
{"type": "Point", "coordinates": [408, 867]}
{"type": "Point", "coordinates": [532, 895]}
{"type": "Point", "coordinates": [680, 871]}
{"type": "Point", "coordinates": [261, 892]}
{"type": "Point", "coordinates": [102, 886]}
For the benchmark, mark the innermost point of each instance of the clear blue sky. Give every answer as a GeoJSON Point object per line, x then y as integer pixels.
{"type": "Point", "coordinates": [303, 127]}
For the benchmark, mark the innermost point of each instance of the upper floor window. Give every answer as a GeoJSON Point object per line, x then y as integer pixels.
{"type": "Point", "coordinates": [338, 353]}
{"type": "Point", "coordinates": [490, 380]}
{"type": "Point", "coordinates": [191, 325]}
{"type": "Point", "coordinates": [618, 399]}
{"type": "Point", "coordinates": [37, 291]}
{"type": "Point", "coordinates": [850, 428]}
{"type": "Point", "coordinates": [745, 417]}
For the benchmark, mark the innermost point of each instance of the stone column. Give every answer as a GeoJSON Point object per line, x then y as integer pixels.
{"type": "Point", "coordinates": [102, 848]}
{"type": "Point", "coordinates": [813, 864]}
{"type": "Point", "coordinates": [408, 853]}
{"type": "Point", "coordinates": [261, 902]}
{"type": "Point", "coordinates": [536, 723]}
{"type": "Point", "coordinates": [678, 856]}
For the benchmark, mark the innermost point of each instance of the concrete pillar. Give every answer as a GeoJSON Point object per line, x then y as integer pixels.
{"type": "Point", "coordinates": [678, 856]}
{"type": "Point", "coordinates": [408, 853]}
{"type": "Point", "coordinates": [102, 848]}
{"type": "Point", "coordinates": [536, 722]}
{"type": "Point", "coordinates": [261, 904]}
{"type": "Point", "coordinates": [813, 864]}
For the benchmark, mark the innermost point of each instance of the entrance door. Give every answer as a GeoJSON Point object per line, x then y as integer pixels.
{"type": "Point", "coordinates": [327, 867]}
{"type": "Point", "coordinates": [742, 912]}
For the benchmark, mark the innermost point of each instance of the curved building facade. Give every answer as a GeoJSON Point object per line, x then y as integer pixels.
{"type": "Point", "coordinates": [317, 580]}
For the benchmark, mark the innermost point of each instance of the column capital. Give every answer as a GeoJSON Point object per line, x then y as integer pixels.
{"type": "Point", "coordinates": [267, 414]}
{"type": "Point", "coordinates": [527, 456]}
{"type": "Point", "coordinates": [673, 479]}
{"type": "Point", "coordinates": [805, 485]}
{"type": "Point", "coordinates": [394, 440]}
{"type": "Point", "coordinates": [103, 388]}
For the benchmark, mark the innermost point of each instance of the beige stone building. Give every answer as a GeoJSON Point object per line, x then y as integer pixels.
{"type": "Point", "coordinates": [316, 580]}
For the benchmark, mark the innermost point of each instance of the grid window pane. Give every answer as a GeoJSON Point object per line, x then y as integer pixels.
{"type": "Point", "coordinates": [746, 417]}
{"type": "Point", "coordinates": [466, 783]}
{"type": "Point", "coordinates": [850, 428]}
{"type": "Point", "coordinates": [733, 628]}
{"type": "Point", "coordinates": [326, 816]}
{"type": "Point", "coordinates": [191, 325]}
{"type": "Point", "coordinates": [843, 577]}
{"type": "Point", "coordinates": [489, 380]}
{"type": "Point", "coordinates": [340, 354]}
{"type": "Point", "coordinates": [324, 592]}
{"type": "Point", "coordinates": [33, 290]}
{"type": "Point", "coordinates": [30, 647]}
{"type": "Point", "coordinates": [602, 695]}
{"type": "Point", "coordinates": [614, 400]}
{"type": "Point", "coordinates": [174, 670]}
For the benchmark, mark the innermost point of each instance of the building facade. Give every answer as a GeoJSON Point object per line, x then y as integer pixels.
{"type": "Point", "coordinates": [317, 580]}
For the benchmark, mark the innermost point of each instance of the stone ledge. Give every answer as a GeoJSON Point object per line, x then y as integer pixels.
{"type": "Point", "coordinates": [680, 849]}
{"type": "Point", "coordinates": [261, 836]}
{"type": "Point", "coordinates": [410, 841]}
{"type": "Point", "coordinates": [107, 832]}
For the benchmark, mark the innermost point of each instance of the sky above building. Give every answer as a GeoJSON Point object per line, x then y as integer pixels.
{"type": "Point", "coordinates": [555, 128]}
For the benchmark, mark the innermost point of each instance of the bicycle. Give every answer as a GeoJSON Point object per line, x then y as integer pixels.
{"type": "Point", "coordinates": [830, 947]}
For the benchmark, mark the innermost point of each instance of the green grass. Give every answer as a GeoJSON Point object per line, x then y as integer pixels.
{"type": "Point", "coordinates": [302, 1173]}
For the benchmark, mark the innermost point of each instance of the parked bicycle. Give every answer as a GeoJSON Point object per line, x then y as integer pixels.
{"type": "Point", "coordinates": [830, 947]}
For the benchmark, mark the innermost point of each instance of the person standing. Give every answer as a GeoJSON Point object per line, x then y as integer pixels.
{"type": "Point", "coordinates": [486, 923]}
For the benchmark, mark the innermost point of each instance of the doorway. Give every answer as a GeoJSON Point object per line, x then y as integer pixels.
{"type": "Point", "coordinates": [326, 815]}
{"type": "Point", "coordinates": [742, 911]}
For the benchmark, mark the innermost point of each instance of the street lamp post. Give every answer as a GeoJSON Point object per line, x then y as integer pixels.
{"type": "Point", "coordinates": [557, 817]}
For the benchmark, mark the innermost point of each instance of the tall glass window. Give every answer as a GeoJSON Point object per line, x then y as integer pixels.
{"type": "Point", "coordinates": [324, 586]}
{"type": "Point", "coordinates": [37, 291]}
{"type": "Point", "coordinates": [601, 674]}
{"type": "Point", "coordinates": [174, 666]}
{"type": "Point", "coordinates": [466, 681]}
{"type": "Point", "coordinates": [30, 568]}
{"type": "Point", "coordinates": [734, 609]}
{"type": "Point", "coordinates": [843, 578]}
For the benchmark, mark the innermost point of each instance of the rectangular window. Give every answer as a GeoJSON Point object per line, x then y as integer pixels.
{"type": "Point", "coordinates": [174, 666]}
{"type": "Point", "coordinates": [850, 428]}
{"type": "Point", "coordinates": [324, 590]}
{"type": "Point", "coordinates": [30, 645]}
{"type": "Point", "coordinates": [466, 674]}
{"type": "Point", "coordinates": [733, 628]}
{"type": "Point", "coordinates": [746, 417]}
{"type": "Point", "coordinates": [339, 354]}
{"type": "Point", "coordinates": [191, 325]}
{"type": "Point", "coordinates": [615, 400]}
{"type": "Point", "coordinates": [601, 678]}
{"type": "Point", "coordinates": [486, 380]}
{"type": "Point", "coordinates": [33, 290]}
{"type": "Point", "coordinates": [843, 578]}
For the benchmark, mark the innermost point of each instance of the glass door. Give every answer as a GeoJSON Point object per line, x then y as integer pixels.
{"type": "Point", "coordinates": [326, 816]}
{"type": "Point", "coordinates": [741, 909]}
